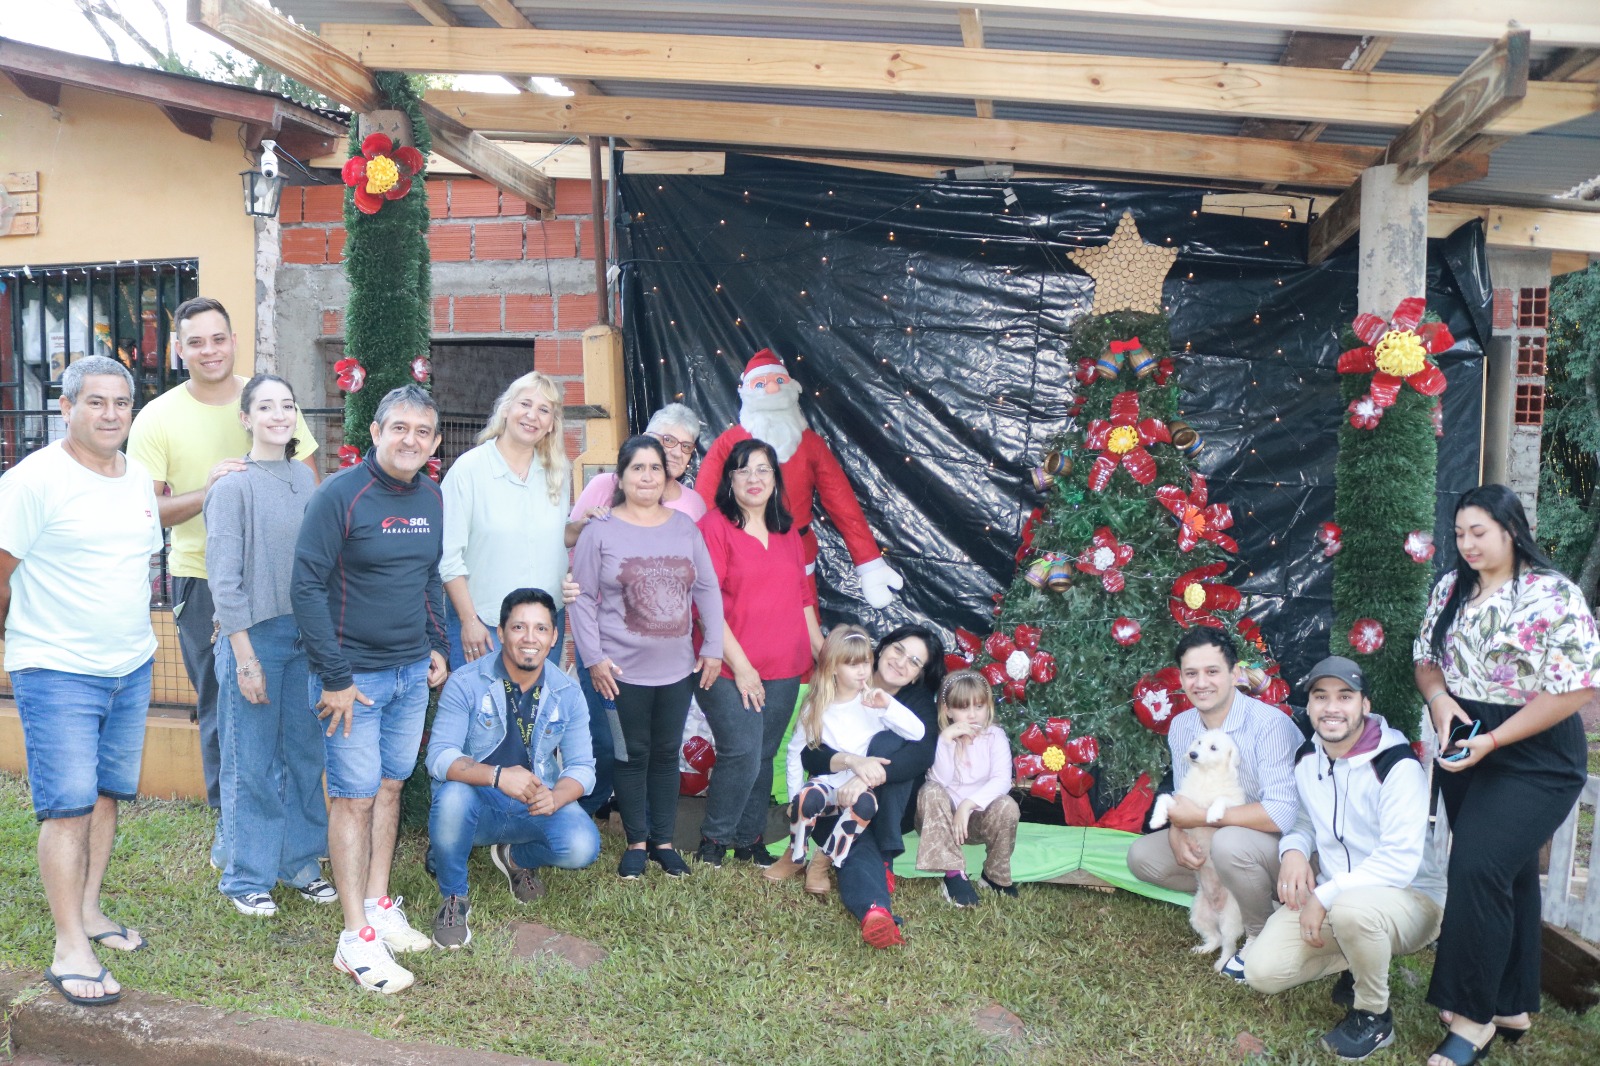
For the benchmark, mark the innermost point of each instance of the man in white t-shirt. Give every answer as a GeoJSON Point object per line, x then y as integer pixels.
{"type": "Point", "coordinates": [78, 524]}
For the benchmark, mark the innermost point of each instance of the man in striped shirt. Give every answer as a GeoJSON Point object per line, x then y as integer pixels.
{"type": "Point", "coordinates": [1245, 849]}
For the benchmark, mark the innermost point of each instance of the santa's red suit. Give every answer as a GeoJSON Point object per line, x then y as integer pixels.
{"type": "Point", "coordinates": [811, 471]}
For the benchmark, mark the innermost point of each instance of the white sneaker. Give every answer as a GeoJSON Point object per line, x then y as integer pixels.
{"type": "Point", "coordinates": [370, 963]}
{"type": "Point", "coordinates": [255, 904]}
{"type": "Point", "coordinates": [390, 921]}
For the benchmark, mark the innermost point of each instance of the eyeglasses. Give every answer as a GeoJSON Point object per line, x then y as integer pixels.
{"type": "Point", "coordinates": [673, 444]}
{"type": "Point", "coordinates": [745, 473]}
{"type": "Point", "coordinates": [900, 652]}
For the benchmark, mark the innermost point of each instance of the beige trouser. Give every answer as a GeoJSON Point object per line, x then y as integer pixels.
{"type": "Point", "coordinates": [995, 827]}
{"type": "Point", "coordinates": [1246, 862]}
{"type": "Point", "coordinates": [1361, 932]}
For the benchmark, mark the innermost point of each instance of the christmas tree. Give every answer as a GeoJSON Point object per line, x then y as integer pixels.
{"type": "Point", "coordinates": [1126, 552]}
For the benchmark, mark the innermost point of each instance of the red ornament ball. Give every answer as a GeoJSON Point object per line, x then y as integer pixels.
{"type": "Point", "coordinates": [1126, 631]}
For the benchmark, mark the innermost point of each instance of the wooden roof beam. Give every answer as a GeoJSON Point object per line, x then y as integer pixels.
{"type": "Point", "coordinates": [972, 37]}
{"type": "Point", "coordinates": [1494, 84]}
{"type": "Point", "coordinates": [41, 67]}
{"type": "Point", "coordinates": [888, 134]}
{"type": "Point", "coordinates": [952, 71]}
{"type": "Point", "coordinates": [268, 37]}
{"type": "Point", "coordinates": [1521, 227]}
{"type": "Point", "coordinates": [1573, 23]}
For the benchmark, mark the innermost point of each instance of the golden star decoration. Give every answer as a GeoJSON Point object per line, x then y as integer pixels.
{"type": "Point", "coordinates": [1127, 272]}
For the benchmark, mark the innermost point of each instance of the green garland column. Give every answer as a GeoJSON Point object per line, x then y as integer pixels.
{"type": "Point", "coordinates": [389, 316]}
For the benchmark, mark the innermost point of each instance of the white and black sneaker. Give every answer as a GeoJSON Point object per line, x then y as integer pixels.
{"type": "Point", "coordinates": [255, 904]}
{"type": "Point", "coordinates": [318, 891]}
{"type": "Point", "coordinates": [369, 962]}
{"type": "Point", "coordinates": [1360, 1034]}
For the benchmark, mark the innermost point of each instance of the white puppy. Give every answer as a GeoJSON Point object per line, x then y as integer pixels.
{"type": "Point", "coordinates": [1213, 783]}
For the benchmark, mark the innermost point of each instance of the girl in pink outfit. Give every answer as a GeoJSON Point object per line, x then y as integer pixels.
{"type": "Point", "coordinates": [967, 797]}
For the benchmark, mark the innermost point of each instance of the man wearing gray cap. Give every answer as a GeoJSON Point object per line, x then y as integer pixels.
{"type": "Point", "coordinates": [1376, 890]}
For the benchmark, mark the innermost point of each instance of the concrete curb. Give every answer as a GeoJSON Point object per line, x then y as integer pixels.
{"type": "Point", "coordinates": [145, 1029]}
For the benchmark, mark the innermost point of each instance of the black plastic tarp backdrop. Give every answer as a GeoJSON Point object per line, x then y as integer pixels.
{"type": "Point", "coordinates": [927, 322]}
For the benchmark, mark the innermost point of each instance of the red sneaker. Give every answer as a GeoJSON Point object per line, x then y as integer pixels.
{"type": "Point", "coordinates": [880, 930]}
{"type": "Point", "coordinates": [888, 875]}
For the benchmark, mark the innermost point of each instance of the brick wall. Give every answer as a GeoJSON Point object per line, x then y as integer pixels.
{"type": "Point", "coordinates": [498, 276]}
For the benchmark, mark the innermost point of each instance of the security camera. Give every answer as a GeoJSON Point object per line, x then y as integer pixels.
{"type": "Point", "coordinates": [269, 159]}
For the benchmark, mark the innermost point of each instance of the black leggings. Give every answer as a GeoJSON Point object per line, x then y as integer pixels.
{"type": "Point", "coordinates": [1501, 813]}
{"type": "Point", "coordinates": [652, 718]}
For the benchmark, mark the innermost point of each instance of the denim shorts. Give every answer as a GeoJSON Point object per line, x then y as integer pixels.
{"type": "Point", "coordinates": [384, 737]}
{"type": "Point", "coordinates": [84, 737]}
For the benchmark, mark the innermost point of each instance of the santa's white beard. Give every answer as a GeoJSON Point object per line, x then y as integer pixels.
{"type": "Point", "coordinates": [774, 417]}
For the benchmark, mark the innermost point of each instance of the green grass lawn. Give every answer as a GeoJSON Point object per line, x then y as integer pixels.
{"type": "Point", "coordinates": [720, 967]}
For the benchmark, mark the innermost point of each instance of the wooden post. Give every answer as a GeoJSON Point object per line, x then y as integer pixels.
{"type": "Point", "coordinates": [603, 386]}
{"type": "Point", "coordinates": [1394, 240]}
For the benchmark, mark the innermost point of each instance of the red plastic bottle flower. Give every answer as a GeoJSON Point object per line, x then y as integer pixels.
{"type": "Point", "coordinates": [381, 172]}
{"type": "Point", "coordinates": [1397, 351]}
{"type": "Point", "coordinates": [1197, 520]}
{"type": "Point", "coordinates": [1122, 442]}
{"type": "Point", "coordinates": [1331, 537]}
{"type": "Point", "coordinates": [1419, 545]}
{"type": "Point", "coordinates": [1157, 698]}
{"type": "Point", "coordinates": [1194, 598]}
{"type": "Point", "coordinates": [349, 455]}
{"type": "Point", "coordinates": [1365, 413]}
{"type": "Point", "coordinates": [1366, 635]}
{"type": "Point", "coordinates": [435, 465]}
{"type": "Point", "coordinates": [1105, 558]}
{"type": "Point", "coordinates": [1052, 753]}
{"type": "Point", "coordinates": [350, 374]}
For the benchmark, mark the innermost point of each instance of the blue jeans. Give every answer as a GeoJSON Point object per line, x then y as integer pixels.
{"type": "Point", "coordinates": [384, 737]}
{"type": "Point", "coordinates": [272, 764]}
{"type": "Point", "coordinates": [83, 735]}
{"type": "Point", "coordinates": [466, 816]}
{"type": "Point", "coordinates": [452, 632]}
{"type": "Point", "coordinates": [603, 740]}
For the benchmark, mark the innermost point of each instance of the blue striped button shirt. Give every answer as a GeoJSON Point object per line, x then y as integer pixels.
{"type": "Point", "coordinates": [1267, 740]}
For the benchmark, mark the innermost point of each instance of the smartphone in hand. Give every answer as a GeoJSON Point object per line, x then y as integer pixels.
{"type": "Point", "coordinates": [1458, 736]}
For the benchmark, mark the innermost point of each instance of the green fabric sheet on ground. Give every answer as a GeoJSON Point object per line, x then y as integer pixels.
{"type": "Point", "coordinates": [1047, 851]}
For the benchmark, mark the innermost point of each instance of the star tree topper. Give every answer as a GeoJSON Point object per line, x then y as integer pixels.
{"type": "Point", "coordinates": [1127, 272]}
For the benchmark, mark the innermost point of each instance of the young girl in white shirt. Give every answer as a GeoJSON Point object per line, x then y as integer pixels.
{"type": "Point", "coordinates": [843, 712]}
{"type": "Point", "coordinates": [967, 797]}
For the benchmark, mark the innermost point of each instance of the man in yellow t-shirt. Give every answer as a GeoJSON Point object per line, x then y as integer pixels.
{"type": "Point", "coordinates": [187, 438]}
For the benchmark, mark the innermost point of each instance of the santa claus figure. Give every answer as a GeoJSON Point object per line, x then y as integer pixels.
{"type": "Point", "coordinates": [769, 410]}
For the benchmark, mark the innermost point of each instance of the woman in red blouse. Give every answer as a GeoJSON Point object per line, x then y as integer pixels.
{"type": "Point", "coordinates": [770, 639]}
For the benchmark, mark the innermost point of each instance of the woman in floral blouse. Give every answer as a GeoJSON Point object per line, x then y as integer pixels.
{"type": "Point", "coordinates": [1509, 644]}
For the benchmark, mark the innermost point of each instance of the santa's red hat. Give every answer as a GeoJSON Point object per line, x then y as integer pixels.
{"type": "Point", "coordinates": [763, 362]}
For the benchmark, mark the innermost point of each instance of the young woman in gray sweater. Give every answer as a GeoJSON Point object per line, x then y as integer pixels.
{"type": "Point", "coordinates": [272, 756]}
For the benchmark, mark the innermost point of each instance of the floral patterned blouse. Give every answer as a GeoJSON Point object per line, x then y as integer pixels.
{"type": "Point", "coordinates": [1534, 634]}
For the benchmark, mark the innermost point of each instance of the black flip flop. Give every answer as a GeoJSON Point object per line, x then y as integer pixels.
{"type": "Point", "coordinates": [1455, 1046]}
{"type": "Point", "coordinates": [58, 982]}
{"type": "Point", "coordinates": [123, 932]}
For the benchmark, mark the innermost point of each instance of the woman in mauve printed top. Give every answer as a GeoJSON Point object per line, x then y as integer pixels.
{"type": "Point", "coordinates": [1507, 653]}
{"type": "Point", "coordinates": [643, 571]}
{"type": "Point", "coordinates": [770, 639]}
{"type": "Point", "coordinates": [677, 428]}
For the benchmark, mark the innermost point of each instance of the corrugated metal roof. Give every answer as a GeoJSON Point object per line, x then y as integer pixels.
{"type": "Point", "coordinates": [1550, 162]}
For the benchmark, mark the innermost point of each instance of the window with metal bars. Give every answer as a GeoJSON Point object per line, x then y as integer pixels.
{"type": "Point", "coordinates": [52, 315]}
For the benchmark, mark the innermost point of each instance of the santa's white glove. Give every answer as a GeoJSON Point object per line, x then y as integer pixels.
{"type": "Point", "coordinates": [878, 582]}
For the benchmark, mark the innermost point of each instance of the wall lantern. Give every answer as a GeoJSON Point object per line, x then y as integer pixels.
{"type": "Point", "coordinates": [263, 188]}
